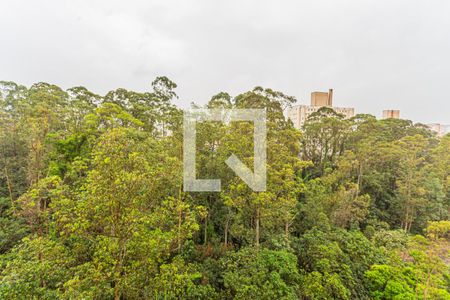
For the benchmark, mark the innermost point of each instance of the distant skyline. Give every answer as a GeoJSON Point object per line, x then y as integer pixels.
{"type": "Point", "coordinates": [376, 55]}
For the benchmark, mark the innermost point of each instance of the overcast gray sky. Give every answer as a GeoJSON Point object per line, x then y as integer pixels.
{"type": "Point", "coordinates": [375, 54]}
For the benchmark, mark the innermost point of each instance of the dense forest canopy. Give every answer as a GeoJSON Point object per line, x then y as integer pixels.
{"type": "Point", "coordinates": [92, 203]}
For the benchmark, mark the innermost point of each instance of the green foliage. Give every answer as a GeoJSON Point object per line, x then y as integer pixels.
{"type": "Point", "coordinates": [12, 227]}
{"type": "Point", "coordinates": [92, 203]}
{"type": "Point", "coordinates": [422, 272]}
{"type": "Point", "coordinates": [37, 268]}
{"type": "Point", "coordinates": [336, 261]}
{"type": "Point", "coordinates": [264, 274]}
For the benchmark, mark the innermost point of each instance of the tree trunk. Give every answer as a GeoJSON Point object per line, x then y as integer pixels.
{"type": "Point", "coordinates": [205, 232]}
{"type": "Point", "coordinates": [8, 183]}
{"type": "Point", "coordinates": [227, 226]}
{"type": "Point", "coordinates": [116, 292]}
{"type": "Point", "coordinates": [118, 269]}
{"type": "Point", "coordinates": [360, 171]}
{"type": "Point", "coordinates": [179, 229]}
{"type": "Point", "coordinates": [286, 232]}
{"type": "Point", "coordinates": [257, 220]}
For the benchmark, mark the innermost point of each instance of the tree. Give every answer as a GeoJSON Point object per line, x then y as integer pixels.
{"type": "Point", "coordinates": [265, 274]}
{"type": "Point", "coordinates": [92, 203]}
{"type": "Point", "coordinates": [37, 268]}
{"type": "Point", "coordinates": [121, 211]}
{"type": "Point", "coordinates": [324, 140]}
{"type": "Point", "coordinates": [411, 191]}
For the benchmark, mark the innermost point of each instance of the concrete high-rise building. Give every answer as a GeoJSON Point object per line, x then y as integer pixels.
{"type": "Point", "coordinates": [300, 113]}
{"type": "Point", "coordinates": [322, 98]}
{"type": "Point", "coordinates": [391, 114]}
{"type": "Point", "coordinates": [440, 129]}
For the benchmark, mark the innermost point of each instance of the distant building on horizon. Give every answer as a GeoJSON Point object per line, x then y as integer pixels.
{"type": "Point", "coordinates": [322, 98]}
{"type": "Point", "coordinates": [440, 129]}
{"type": "Point", "coordinates": [300, 113]}
{"type": "Point", "coordinates": [391, 114]}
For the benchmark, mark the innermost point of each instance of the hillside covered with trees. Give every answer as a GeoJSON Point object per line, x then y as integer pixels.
{"type": "Point", "coordinates": [92, 203]}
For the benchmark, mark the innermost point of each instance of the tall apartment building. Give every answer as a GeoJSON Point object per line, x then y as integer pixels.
{"type": "Point", "coordinates": [391, 114]}
{"type": "Point", "coordinates": [440, 129]}
{"type": "Point", "coordinates": [322, 98]}
{"type": "Point", "coordinates": [300, 113]}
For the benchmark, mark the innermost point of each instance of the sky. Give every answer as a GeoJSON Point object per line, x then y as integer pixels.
{"type": "Point", "coordinates": [380, 54]}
